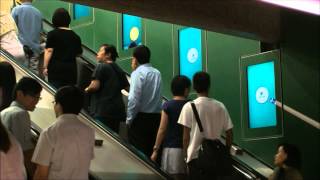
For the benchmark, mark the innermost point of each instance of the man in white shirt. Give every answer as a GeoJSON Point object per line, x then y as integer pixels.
{"type": "Point", "coordinates": [65, 149]}
{"type": "Point", "coordinates": [214, 118]}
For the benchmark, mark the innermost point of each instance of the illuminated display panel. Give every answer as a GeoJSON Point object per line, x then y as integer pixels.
{"type": "Point", "coordinates": [190, 51]}
{"type": "Point", "coordinates": [260, 86]}
{"type": "Point", "coordinates": [80, 11]}
{"type": "Point", "coordinates": [131, 31]}
{"type": "Point", "coordinates": [261, 90]}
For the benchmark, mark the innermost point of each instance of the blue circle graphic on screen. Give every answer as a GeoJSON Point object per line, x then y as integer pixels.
{"type": "Point", "coordinates": [192, 55]}
{"type": "Point", "coordinates": [262, 95]}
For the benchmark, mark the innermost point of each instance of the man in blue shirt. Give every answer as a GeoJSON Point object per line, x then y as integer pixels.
{"type": "Point", "coordinates": [144, 101]}
{"type": "Point", "coordinates": [29, 22]}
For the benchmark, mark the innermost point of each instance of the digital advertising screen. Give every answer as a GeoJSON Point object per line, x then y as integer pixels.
{"type": "Point", "coordinates": [131, 31]}
{"type": "Point", "coordinates": [261, 91]}
{"type": "Point", "coordinates": [190, 51]}
{"type": "Point", "coordinates": [80, 11]}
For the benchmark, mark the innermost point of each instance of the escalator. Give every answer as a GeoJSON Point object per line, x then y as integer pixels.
{"type": "Point", "coordinates": [115, 159]}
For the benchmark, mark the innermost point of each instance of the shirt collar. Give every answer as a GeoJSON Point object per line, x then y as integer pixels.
{"type": "Point", "coordinates": [16, 103]}
{"type": "Point", "coordinates": [143, 65]}
{"type": "Point", "coordinates": [202, 98]}
{"type": "Point", "coordinates": [27, 3]}
{"type": "Point", "coordinates": [68, 117]}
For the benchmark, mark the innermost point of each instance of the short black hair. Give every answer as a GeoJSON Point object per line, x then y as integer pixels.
{"type": "Point", "coordinates": [70, 98]}
{"type": "Point", "coordinates": [7, 83]}
{"type": "Point", "coordinates": [201, 82]}
{"type": "Point", "coordinates": [142, 54]}
{"type": "Point", "coordinates": [112, 50]}
{"type": "Point", "coordinates": [293, 155]}
{"type": "Point", "coordinates": [179, 84]}
{"type": "Point", "coordinates": [28, 86]}
{"type": "Point", "coordinates": [61, 18]}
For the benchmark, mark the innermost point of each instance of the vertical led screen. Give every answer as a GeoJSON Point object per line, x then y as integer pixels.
{"type": "Point", "coordinates": [261, 90]}
{"type": "Point", "coordinates": [190, 51]}
{"type": "Point", "coordinates": [131, 31]}
{"type": "Point", "coordinates": [80, 11]}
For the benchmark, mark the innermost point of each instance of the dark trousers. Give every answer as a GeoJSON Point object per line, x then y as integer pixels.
{"type": "Point", "coordinates": [143, 131]}
{"type": "Point", "coordinates": [196, 173]}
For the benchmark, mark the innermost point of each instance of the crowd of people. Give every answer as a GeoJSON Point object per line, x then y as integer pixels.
{"type": "Point", "coordinates": [166, 133]}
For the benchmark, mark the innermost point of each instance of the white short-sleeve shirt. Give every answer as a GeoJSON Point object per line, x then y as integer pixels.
{"type": "Point", "coordinates": [214, 118]}
{"type": "Point", "coordinates": [66, 147]}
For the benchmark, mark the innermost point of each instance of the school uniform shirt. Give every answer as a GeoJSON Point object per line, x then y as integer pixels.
{"type": "Point", "coordinates": [17, 120]}
{"type": "Point", "coordinates": [66, 147]}
{"type": "Point", "coordinates": [214, 118]}
{"type": "Point", "coordinates": [11, 163]}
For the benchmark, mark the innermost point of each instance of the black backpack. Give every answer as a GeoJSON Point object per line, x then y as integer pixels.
{"type": "Point", "coordinates": [213, 157]}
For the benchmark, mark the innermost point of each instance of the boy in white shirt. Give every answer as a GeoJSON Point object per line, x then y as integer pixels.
{"type": "Point", "coordinates": [214, 118]}
{"type": "Point", "coordinates": [65, 149]}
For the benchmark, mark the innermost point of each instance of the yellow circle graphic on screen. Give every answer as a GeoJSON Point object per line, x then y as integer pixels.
{"type": "Point", "coordinates": [134, 33]}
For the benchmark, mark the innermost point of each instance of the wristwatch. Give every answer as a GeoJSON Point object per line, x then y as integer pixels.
{"type": "Point", "coordinates": [155, 148]}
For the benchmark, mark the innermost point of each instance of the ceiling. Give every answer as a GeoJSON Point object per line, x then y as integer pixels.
{"type": "Point", "coordinates": [244, 18]}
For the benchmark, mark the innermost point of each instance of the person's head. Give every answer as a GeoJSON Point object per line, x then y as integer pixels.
{"type": "Point", "coordinates": [5, 141]}
{"type": "Point", "coordinates": [27, 93]}
{"type": "Point", "coordinates": [180, 86]}
{"type": "Point", "coordinates": [61, 18]}
{"type": "Point", "coordinates": [141, 55]}
{"type": "Point", "coordinates": [7, 82]}
{"type": "Point", "coordinates": [68, 100]}
{"type": "Point", "coordinates": [201, 82]}
{"type": "Point", "coordinates": [289, 155]}
{"type": "Point", "coordinates": [107, 52]}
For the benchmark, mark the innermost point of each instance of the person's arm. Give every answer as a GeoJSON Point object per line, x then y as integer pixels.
{"type": "Point", "coordinates": [47, 56]}
{"type": "Point", "coordinates": [94, 86]}
{"type": "Point", "coordinates": [229, 137]}
{"type": "Point", "coordinates": [186, 140]}
{"type": "Point", "coordinates": [160, 136]}
{"type": "Point", "coordinates": [14, 16]}
{"type": "Point", "coordinates": [134, 97]}
{"type": "Point", "coordinates": [42, 155]}
{"type": "Point", "coordinates": [41, 173]}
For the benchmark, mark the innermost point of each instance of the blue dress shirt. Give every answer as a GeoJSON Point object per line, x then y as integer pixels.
{"type": "Point", "coordinates": [145, 91]}
{"type": "Point", "coordinates": [29, 22]}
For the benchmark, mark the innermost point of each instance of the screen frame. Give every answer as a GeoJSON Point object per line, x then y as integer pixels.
{"type": "Point", "coordinates": [88, 20]}
{"type": "Point", "coordinates": [122, 31]}
{"type": "Point", "coordinates": [262, 132]}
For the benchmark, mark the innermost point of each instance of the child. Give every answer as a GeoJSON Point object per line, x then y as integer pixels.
{"type": "Point", "coordinates": [170, 132]}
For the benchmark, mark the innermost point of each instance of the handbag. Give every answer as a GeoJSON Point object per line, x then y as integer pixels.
{"type": "Point", "coordinates": [214, 157]}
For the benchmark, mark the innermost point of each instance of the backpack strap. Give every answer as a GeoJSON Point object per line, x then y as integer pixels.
{"type": "Point", "coordinates": [195, 112]}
